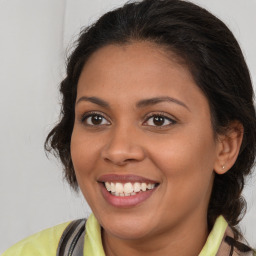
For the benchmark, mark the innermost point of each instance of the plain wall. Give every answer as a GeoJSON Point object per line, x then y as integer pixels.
{"type": "Point", "coordinates": [33, 42]}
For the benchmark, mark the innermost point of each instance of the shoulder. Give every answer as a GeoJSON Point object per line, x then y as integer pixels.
{"type": "Point", "coordinates": [235, 247]}
{"type": "Point", "coordinates": [41, 244]}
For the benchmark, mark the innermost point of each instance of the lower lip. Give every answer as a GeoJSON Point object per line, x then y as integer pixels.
{"type": "Point", "coordinates": [125, 201]}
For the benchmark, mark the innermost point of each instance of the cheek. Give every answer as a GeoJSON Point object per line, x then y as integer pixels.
{"type": "Point", "coordinates": [187, 176]}
{"type": "Point", "coordinates": [192, 150]}
{"type": "Point", "coordinates": [83, 154]}
{"type": "Point", "coordinates": [186, 162]}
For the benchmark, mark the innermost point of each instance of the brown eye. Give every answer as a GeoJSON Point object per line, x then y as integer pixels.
{"type": "Point", "coordinates": [95, 120]}
{"type": "Point", "coordinates": [159, 120]}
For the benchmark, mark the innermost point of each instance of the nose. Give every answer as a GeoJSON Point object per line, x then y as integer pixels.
{"type": "Point", "coordinates": [122, 147]}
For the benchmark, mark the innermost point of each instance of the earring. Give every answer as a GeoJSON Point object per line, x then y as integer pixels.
{"type": "Point", "coordinates": [223, 167]}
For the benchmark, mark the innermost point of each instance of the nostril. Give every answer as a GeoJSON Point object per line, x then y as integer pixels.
{"type": "Point", "coordinates": [116, 162]}
{"type": "Point", "coordinates": [123, 156]}
{"type": "Point", "coordinates": [122, 149]}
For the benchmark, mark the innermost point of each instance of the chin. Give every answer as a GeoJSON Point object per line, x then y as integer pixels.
{"type": "Point", "coordinates": [128, 233]}
{"type": "Point", "coordinates": [136, 228]}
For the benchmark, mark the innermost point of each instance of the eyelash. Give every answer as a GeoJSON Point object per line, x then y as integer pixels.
{"type": "Point", "coordinates": [91, 114]}
{"type": "Point", "coordinates": [162, 115]}
{"type": "Point", "coordinates": [86, 116]}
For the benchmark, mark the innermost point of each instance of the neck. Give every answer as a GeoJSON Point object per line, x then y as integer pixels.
{"type": "Point", "coordinates": [187, 238]}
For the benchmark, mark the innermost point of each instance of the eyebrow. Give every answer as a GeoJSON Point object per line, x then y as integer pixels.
{"type": "Point", "coordinates": [156, 100]}
{"type": "Point", "coordinates": [94, 100]}
{"type": "Point", "coordinates": [141, 104]}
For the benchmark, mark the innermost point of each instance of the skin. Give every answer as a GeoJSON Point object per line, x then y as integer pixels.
{"type": "Point", "coordinates": [181, 155]}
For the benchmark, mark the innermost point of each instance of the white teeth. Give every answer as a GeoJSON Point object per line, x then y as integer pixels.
{"type": "Point", "coordinates": [113, 187]}
{"type": "Point", "coordinates": [151, 186]}
{"type": "Point", "coordinates": [127, 189]}
{"type": "Point", "coordinates": [108, 186]}
{"type": "Point", "coordinates": [136, 187]}
{"type": "Point", "coordinates": [144, 186]}
{"type": "Point", "coordinates": [119, 188]}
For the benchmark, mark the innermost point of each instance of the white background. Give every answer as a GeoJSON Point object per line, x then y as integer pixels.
{"type": "Point", "coordinates": [34, 36]}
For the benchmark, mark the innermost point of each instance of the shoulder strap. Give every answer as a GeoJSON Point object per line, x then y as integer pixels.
{"type": "Point", "coordinates": [72, 240]}
{"type": "Point", "coordinates": [238, 247]}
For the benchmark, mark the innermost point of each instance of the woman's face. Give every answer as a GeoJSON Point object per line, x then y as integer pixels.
{"type": "Point", "coordinates": [142, 124]}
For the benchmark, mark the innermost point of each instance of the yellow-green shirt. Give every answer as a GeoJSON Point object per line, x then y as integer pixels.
{"type": "Point", "coordinates": [45, 243]}
{"type": "Point", "coordinates": [93, 243]}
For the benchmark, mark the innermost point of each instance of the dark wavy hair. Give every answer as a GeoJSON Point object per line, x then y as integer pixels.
{"type": "Point", "coordinates": [211, 53]}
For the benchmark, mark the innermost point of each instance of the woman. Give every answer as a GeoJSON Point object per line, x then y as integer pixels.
{"type": "Point", "coordinates": [157, 129]}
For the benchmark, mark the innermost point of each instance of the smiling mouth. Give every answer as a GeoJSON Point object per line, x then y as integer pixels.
{"type": "Point", "coordinates": [126, 191]}
{"type": "Point", "coordinates": [129, 188]}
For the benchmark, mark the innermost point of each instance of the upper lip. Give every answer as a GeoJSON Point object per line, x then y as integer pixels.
{"type": "Point", "coordinates": [124, 178]}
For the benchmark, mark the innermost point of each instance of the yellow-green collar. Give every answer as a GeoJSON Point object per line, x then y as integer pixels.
{"type": "Point", "coordinates": [93, 244]}
{"type": "Point", "coordinates": [215, 237]}
{"type": "Point", "coordinates": [92, 240]}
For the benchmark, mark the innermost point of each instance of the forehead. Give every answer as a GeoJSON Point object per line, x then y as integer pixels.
{"type": "Point", "coordinates": [136, 70]}
{"type": "Point", "coordinates": [144, 54]}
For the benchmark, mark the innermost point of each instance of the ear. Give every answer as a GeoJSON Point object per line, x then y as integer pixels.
{"type": "Point", "coordinates": [228, 147]}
